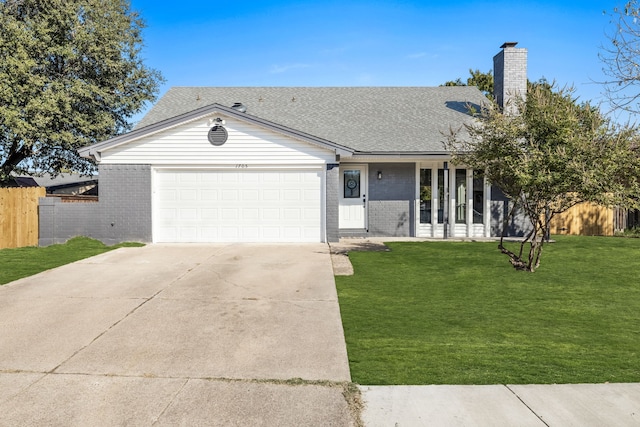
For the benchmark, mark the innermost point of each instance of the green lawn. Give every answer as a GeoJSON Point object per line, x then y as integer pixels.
{"type": "Point", "coordinates": [458, 313]}
{"type": "Point", "coordinates": [22, 262]}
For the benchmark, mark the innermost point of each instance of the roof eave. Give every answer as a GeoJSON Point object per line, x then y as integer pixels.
{"type": "Point", "coordinates": [401, 153]}
{"type": "Point", "coordinates": [95, 151]}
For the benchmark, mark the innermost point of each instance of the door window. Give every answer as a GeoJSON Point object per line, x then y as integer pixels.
{"type": "Point", "coordinates": [351, 184]}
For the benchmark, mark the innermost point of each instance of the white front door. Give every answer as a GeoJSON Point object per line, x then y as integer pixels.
{"type": "Point", "coordinates": [353, 196]}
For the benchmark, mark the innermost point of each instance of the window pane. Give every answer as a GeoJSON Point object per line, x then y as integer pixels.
{"type": "Point", "coordinates": [478, 197]}
{"type": "Point", "coordinates": [461, 196]}
{"type": "Point", "coordinates": [425, 196]}
{"type": "Point", "coordinates": [441, 200]}
{"type": "Point", "coordinates": [351, 184]}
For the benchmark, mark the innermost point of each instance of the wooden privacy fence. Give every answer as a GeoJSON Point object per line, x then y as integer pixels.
{"type": "Point", "coordinates": [19, 216]}
{"type": "Point", "coordinates": [585, 219]}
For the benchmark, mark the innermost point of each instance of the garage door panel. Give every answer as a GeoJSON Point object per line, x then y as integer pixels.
{"type": "Point", "coordinates": [187, 214]}
{"type": "Point", "coordinates": [293, 177]}
{"type": "Point", "coordinates": [166, 178]}
{"type": "Point", "coordinates": [229, 233]}
{"type": "Point", "coordinates": [292, 214]}
{"type": "Point", "coordinates": [291, 195]}
{"type": "Point", "coordinates": [230, 177]}
{"type": "Point", "coordinates": [229, 195]}
{"type": "Point", "coordinates": [186, 179]}
{"type": "Point", "coordinates": [188, 195]}
{"type": "Point", "coordinates": [186, 233]}
{"type": "Point", "coordinates": [250, 195]}
{"type": "Point", "coordinates": [269, 195]}
{"type": "Point", "coordinates": [250, 178]}
{"type": "Point", "coordinates": [251, 214]}
{"type": "Point", "coordinates": [266, 177]}
{"type": "Point", "coordinates": [208, 214]}
{"type": "Point", "coordinates": [250, 233]}
{"type": "Point", "coordinates": [312, 215]}
{"type": "Point", "coordinates": [271, 234]}
{"type": "Point", "coordinates": [209, 178]}
{"type": "Point", "coordinates": [271, 214]}
{"type": "Point", "coordinates": [209, 195]}
{"type": "Point", "coordinates": [310, 195]}
{"type": "Point", "coordinates": [167, 214]}
{"type": "Point", "coordinates": [229, 206]}
{"type": "Point", "coordinates": [167, 195]}
{"type": "Point", "coordinates": [209, 233]}
{"type": "Point", "coordinates": [230, 214]}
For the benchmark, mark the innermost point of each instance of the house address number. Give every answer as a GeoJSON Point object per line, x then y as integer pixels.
{"type": "Point", "coordinates": [241, 166]}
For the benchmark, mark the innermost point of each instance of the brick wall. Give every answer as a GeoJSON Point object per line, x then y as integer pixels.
{"type": "Point", "coordinates": [392, 199]}
{"type": "Point", "coordinates": [125, 194]}
{"type": "Point", "coordinates": [500, 207]}
{"type": "Point", "coordinates": [332, 202]}
{"type": "Point", "coordinates": [123, 212]}
{"type": "Point", "coordinates": [510, 75]}
{"type": "Point", "coordinates": [60, 221]}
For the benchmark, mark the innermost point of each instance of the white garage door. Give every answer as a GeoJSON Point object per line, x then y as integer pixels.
{"type": "Point", "coordinates": [238, 206]}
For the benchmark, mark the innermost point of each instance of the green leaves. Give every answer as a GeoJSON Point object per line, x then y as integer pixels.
{"type": "Point", "coordinates": [70, 76]}
{"type": "Point", "coordinates": [553, 155]}
{"type": "Point", "coordinates": [483, 81]}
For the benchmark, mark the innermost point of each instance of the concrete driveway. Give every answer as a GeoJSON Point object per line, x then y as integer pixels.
{"type": "Point", "coordinates": [231, 334]}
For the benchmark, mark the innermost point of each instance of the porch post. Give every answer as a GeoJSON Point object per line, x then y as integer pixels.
{"type": "Point", "coordinates": [487, 208]}
{"type": "Point", "coordinates": [469, 202]}
{"type": "Point", "coordinates": [445, 211]}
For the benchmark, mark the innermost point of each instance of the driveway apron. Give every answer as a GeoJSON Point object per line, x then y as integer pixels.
{"type": "Point", "coordinates": [227, 334]}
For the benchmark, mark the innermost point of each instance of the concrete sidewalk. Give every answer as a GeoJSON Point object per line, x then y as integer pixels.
{"type": "Point", "coordinates": [562, 405]}
{"type": "Point", "coordinates": [177, 335]}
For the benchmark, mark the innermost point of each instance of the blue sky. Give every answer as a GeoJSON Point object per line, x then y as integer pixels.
{"type": "Point", "coordinates": [372, 43]}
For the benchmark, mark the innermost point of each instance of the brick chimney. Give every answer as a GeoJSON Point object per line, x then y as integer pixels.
{"type": "Point", "coordinates": [510, 76]}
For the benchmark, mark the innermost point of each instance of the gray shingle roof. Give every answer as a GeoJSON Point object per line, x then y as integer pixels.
{"type": "Point", "coordinates": [366, 119]}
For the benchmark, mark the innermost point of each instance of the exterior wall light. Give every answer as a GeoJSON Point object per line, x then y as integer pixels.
{"type": "Point", "coordinates": [379, 174]}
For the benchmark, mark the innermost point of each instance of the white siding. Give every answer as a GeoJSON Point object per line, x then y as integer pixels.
{"type": "Point", "coordinates": [187, 144]}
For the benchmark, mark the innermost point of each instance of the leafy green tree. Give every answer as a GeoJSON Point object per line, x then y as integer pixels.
{"type": "Point", "coordinates": [456, 82]}
{"type": "Point", "coordinates": [483, 81]}
{"type": "Point", "coordinates": [70, 75]}
{"type": "Point", "coordinates": [554, 154]}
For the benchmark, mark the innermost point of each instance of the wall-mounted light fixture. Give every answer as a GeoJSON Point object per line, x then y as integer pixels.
{"type": "Point", "coordinates": [216, 122]}
{"type": "Point", "coordinates": [379, 174]}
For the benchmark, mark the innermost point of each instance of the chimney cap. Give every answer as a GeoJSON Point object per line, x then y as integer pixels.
{"type": "Point", "coordinates": [508, 44]}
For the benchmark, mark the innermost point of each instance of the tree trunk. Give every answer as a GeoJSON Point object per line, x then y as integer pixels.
{"type": "Point", "coordinates": [16, 156]}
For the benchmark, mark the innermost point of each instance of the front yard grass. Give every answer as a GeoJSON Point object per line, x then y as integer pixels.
{"type": "Point", "coordinates": [16, 263]}
{"type": "Point", "coordinates": [458, 313]}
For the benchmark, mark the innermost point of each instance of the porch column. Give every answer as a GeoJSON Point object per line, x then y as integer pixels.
{"type": "Point", "coordinates": [469, 202]}
{"type": "Point", "coordinates": [486, 219]}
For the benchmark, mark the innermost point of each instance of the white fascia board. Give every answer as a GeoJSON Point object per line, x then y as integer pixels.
{"type": "Point", "coordinates": [399, 157]}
